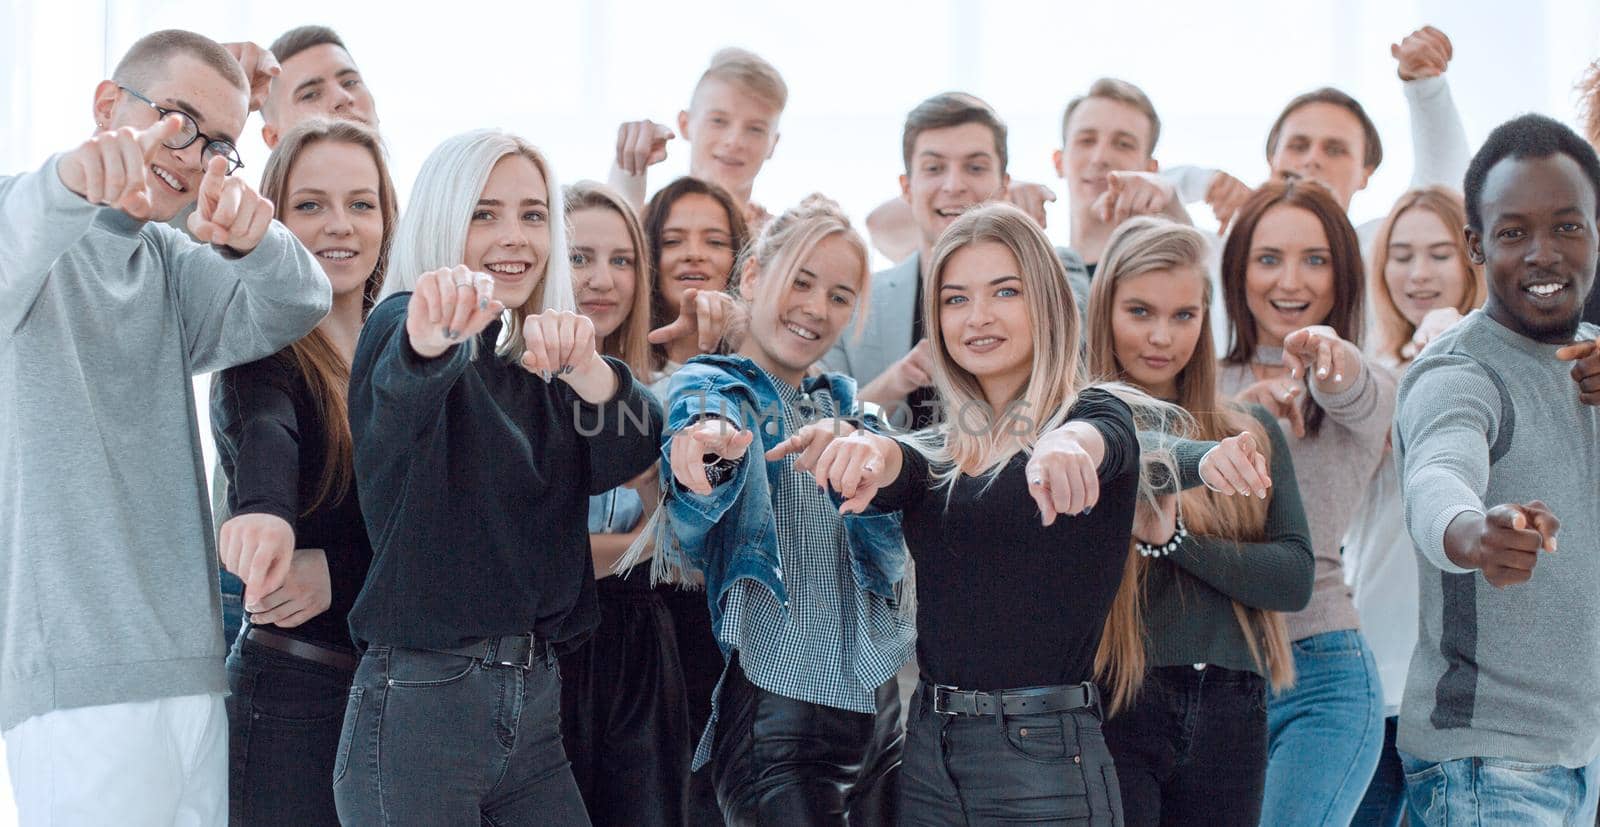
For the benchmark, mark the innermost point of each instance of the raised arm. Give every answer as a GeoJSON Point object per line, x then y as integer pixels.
{"type": "Point", "coordinates": [45, 212]}
{"type": "Point", "coordinates": [1439, 148]}
{"type": "Point", "coordinates": [251, 288]}
{"type": "Point", "coordinates": [1447, 419]}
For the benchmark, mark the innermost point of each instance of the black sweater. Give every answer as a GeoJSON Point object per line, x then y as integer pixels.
{"type": "Point", "coordinates": [1004, 602]}
{"type": "Point", "coordinates": [475, 477]}
{"type": "Point", "coordinates": [271, 439]}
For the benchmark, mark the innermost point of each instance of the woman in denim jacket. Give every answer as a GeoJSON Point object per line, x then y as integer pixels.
{"type": "Point", "coordinates": [806, 605]}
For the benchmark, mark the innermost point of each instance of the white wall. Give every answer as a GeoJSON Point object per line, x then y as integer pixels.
{"type": "Point", "coordinates": [565, 73]}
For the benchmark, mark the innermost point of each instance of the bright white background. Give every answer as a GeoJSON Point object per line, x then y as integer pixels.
{"type": "Point", "coordinates": [565, 73]}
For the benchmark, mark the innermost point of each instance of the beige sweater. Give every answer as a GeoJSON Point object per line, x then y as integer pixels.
{"type": "Point", "coordinates": [1334, 469]}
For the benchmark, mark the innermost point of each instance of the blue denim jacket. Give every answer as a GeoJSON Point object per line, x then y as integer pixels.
{"type": "Point", "coordinates": [731, 533]}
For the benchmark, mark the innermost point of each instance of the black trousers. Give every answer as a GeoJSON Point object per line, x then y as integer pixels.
{"type": "Point", "coordinates": [702, 663]}
{"type": "Point", "coordinates": [624, 713]}
{"type": "Point", "coordinates": [779, 761]}
{"type": "Point", "coordinates": [1193, 748]}
{"type": "Point", "coordinates": [1050, 768]}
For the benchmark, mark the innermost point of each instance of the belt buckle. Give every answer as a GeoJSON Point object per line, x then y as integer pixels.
{"type": "Point", "coordinates": [526, 663]}
{"type": "Point", "coordinates": [943, 691]}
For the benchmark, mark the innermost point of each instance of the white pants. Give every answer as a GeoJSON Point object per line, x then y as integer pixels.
{"type": "Point", "coordinates": [162, 762]}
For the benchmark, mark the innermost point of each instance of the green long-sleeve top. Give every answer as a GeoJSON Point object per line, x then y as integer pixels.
{"type": "Point", "coordinates": [1189, 594]}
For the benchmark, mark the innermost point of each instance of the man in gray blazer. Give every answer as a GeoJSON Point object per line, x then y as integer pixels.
{"type": "Point", "coordinates": [954, 146]}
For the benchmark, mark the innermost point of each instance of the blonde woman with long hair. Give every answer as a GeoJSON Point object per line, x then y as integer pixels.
{"type": "Point", "coordinates": [1423, 282]}
{"type": "Point", "coordinates": [1018, 511]}
{"type": "Point", "coordinates": [483, 415]}
{"type": "Point", "coordinates": [1201, 615]}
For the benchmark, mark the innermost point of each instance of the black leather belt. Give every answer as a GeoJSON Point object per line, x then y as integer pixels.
{"type": "Point", "coordinates": [518, 651]}
{"type": "Point", "coordinates": [343, 661]}
{"type": "Point", "coordinates": [948, 700]}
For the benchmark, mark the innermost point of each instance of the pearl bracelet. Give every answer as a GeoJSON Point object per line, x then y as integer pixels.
{"type": "Point", "coordinates": [1147, 550]}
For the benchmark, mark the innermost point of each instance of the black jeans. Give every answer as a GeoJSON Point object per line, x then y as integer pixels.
{"type": "Point", "coordinates": [624, 713]}
{"type": "Point", "coordinates": [1193, 748]}
{"type": "Point", "coordinates": [433, 739]}
{"type": "Point", "coordinates": [779, 761]}
{"type": "Point", "coordinates": [284, 718]}
{"type": "Point", "coordinates": [702, 662]}
{"type": "Point", "coordinates": [1006, 769]}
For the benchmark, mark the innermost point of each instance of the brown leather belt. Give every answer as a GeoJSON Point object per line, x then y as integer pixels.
{"type": "Point", "coordinates": [343, 661]}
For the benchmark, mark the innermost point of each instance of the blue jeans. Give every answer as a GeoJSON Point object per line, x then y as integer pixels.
{"type": "Point", "coordinates": [431, 738]}
{"type": "Point", "coordinates": [284, 717]}
{"type": "Point", "coordinates": [232, 589]}
{"type": "Point", "coordinates": [1488, 792]}
{"type": "Point", "coordinates": [1385, 800]}
{"type": "Point", "coordinates": [1324, 733]}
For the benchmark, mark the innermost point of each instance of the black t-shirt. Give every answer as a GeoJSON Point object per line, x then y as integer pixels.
{"type": "Point", "coordinates": [475, 477]}
{"type": "Point", "coordinates": [1002, 601]}
{"type": "Point", "coordinates": [272, 442]}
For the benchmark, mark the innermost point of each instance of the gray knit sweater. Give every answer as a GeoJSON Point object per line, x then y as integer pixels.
{"type": "Point", "coordinates": [1334, 469]}
{"type": "Point", "coordinates": [1487, 416]}
{"type": "Point", "coordinates": [108, 571]}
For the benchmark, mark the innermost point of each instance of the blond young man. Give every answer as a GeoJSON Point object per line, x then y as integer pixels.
{"type": "Point", "coordinates": [731, 126]}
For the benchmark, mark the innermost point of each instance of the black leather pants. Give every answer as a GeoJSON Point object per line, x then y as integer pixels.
{"type": "Point", "coordinates": [780, 761]}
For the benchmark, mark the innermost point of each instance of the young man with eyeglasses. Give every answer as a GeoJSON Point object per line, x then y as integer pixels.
{"type": "Point", "coordinates": [111, 665]}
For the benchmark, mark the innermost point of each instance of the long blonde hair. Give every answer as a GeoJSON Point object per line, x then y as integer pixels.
{"type": "Point", "coordinates": [326, 372]}
{"type": "Point", "coordinates": [1393, 329]}
{"type": "Point", "coordinates": [1143, 245]}
{"type": "Point", "coordinates": [629, 342]}
{"type": "Point", "coordinates": [433, 230]}
{"type": "Point", "coordinates": [1055, 380]}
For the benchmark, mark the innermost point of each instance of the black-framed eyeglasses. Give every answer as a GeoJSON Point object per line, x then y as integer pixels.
{"type": "Point", "coordinates": [190, 132]}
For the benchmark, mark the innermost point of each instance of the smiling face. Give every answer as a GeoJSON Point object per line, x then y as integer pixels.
{"type": "Point", "coordinates": [604, 267]}
{"type": "Point", "coordinates": [1424, 269]}
{"type": "Point", "coordinates": [1156, 320]}
{"type": "Point", "coordinates": [953, 169]}
{"type": "Point", "coordinates": [984, 318]}
{"type": "Point", "coordinates": [732, 133]}
{"type": "Point", "coordinates": [696, 248]}
{"type": "Point", "coordinates": [792, 326]}
{"type": "Point", "coordinates": [508, 236]}
{"type": "Point", "coordinates": [333, 207]}
{"type": "Point", "coordinates": [187, 85]}
{"type": "Point", "coordinates": [1289, 275]}
{"type": "Point", "coordinates": [1538, 244]}
{"type": "Point", "coordinates": [319, 81]}
{"type": "Point", "coordinates": [1323, 142]}
{"type": "Point", "coordinates": [1103, 136]}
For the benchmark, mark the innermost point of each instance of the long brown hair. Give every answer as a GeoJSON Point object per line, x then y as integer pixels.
{"type": "Point", "coordinates": [1143, 245]}
{"type": "Point", "coordinates": [1348, 274]}
{"type": "Point", "coordinates": [314, 356]}
{"type": "Point", "coordinates": [1392, 327]}
{"type": "Point", "coordinates": [628, 342]}
{"type": "Point", "coordinates": [656, 214]}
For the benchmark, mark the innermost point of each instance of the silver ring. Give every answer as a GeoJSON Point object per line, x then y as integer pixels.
{"type": "Point", "coordinates": [1036, 481]}
{"type": "Point", "coordinates": [869, 468]}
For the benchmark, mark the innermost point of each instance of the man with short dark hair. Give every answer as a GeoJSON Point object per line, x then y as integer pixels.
{"type": "Point", "coordinates": [111, 675]}
{"type": "Point", "coordinates": [317, 78]}
{"type": "Point", "coordinates": [1497, 442]}
{"type": "Point", "coordinates": [954, 148]}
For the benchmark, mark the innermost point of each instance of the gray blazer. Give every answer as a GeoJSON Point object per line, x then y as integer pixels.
{"type": "Point", "coordinates": [886, 337]}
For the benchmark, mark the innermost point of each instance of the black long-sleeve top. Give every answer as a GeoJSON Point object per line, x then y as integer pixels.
{"type": "Point", "coordinates": [1003, 601]}
{"type": "Point", "coordinates": [272, 442]}
{"type": "Point", "coordinates": [475, 477]}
